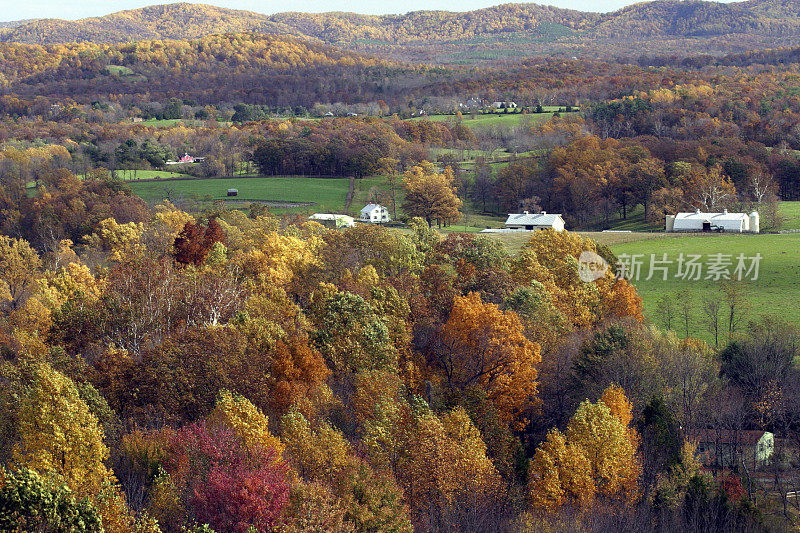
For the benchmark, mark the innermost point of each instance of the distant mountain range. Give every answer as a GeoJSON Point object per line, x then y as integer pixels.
{"type": "Point", "coordinates": [507, 31]}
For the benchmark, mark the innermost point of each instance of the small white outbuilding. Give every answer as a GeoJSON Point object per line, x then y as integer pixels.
{"type": "Point", "coordinates": [526, 221]}
{"type": "Point", "coordinates": [332, 220]}
{"type": "Point", "coordinates": [726, 222]}
{"type": "Point", "coordinates": [374, 214]}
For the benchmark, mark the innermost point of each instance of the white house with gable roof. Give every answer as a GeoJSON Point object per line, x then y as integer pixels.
{"type": "Point", "coordinates": [374, 214]}
{"type": "Point", "coordinates": [526, 221]}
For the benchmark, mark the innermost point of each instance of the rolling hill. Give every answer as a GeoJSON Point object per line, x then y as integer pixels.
{"type": "Point", "coordinates": [505, 31]}
{"type": "Point", "coordinates": [171, 21]}
{"type": "Point", "coordinates": [232, 67]}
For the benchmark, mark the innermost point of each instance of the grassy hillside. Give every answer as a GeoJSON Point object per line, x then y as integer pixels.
{"type": "Point", "coordinates": [790, 213]}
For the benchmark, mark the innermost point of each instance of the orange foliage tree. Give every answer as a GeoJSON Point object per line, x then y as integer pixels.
{"type": "Point", "coordinates": [485, 347]}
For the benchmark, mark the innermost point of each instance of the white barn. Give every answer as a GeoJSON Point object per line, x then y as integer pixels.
{"type": "Point", "coordinates": [333, 220]}
{"type": "Point", "coordinates": [726, 222]}
{"type": "Point", "coordinates": [375, 214]}
{"type": "Point", "coordinates": [526, 221]}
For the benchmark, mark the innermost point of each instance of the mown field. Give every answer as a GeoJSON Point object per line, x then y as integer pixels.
{"type": "Point", "coordinates": [170, 122]}
{"type": "Point", "coordinates": [790, 213]}
{"type": "Point", "coordinates": [493, 120]}
{"type": "Point", "coordinates": [150, 174]}
{"type": "Point", "coordinates": [775, 292]}
{"type": "Point", "coordinates": [327, 194]}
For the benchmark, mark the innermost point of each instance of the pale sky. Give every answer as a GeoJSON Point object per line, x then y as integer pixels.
{"type": "Point", "coordinates": [75, 9]}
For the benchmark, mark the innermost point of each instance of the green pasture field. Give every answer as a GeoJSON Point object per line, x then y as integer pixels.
{"type": "Point", "coordinates": [775, 292]}
{"type": "Point", "coordinates": [790, 212]}
{"type": "Point", "coordinates": [119, 70]}
{"type": "Point", "coordinates": [491, 120]}
{"type": "Point", "coordinates": [328, 194]}
{"type": "Point", "coordinates": [133, 175]}
{"type": "Point", "coordinates": [468, 156]}
{"type": "Point", "coordinates": [169, 122]}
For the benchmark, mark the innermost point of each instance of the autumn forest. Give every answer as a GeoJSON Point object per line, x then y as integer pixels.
{"type": "Point", "coordinates": [215, 361]}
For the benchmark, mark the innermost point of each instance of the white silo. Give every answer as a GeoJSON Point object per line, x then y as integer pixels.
{"type": "Point", "coordinates": [755, 226]}
{"type": "Point", "coordinates": [670, 223]}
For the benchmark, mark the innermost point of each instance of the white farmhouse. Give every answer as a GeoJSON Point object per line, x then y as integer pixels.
{"type": "Point", "coordinates": [526, 221]}
{"type": "Point", "coordinates": [375, 214]}
{"type": "Point", "coordinates": [332, 220]}
{"type": "Point", "coordinates": [699, 221]}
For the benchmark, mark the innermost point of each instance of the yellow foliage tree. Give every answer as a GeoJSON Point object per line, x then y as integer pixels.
{"type": "Point", "coordinates": [59, 434]}
{"type": "Point", "coordinates": [246, 420]}
{"type": "Point", "coordinates": [321, 454]}
{"type": "Point", "coordinates": [551, 258]}
{"type": "Point", "coordinates": [596, 458]}
{"type": "Point", "coordinates": [560, 472]}
{"type": "Point", "coordinates": [431, 195]}
{"type": "Point", "coordinates": [74, 281]}
{"type": "Point", "coordinates": [446, 468]}
{"type": "Point", "coordinates": [610, 446]}
{"type": "Point", "coordinates": [19, 266]}
{"type": "Point", "coordinates": [317, 454]}
{"type": "Point", "coordinates": [278, 258]}
{"type": "Point", "coordinates": [121, 241]}
{"type": "Point", "coordinates": [32, 317]}
{"type": "Point", "coordinates": [615, 399]}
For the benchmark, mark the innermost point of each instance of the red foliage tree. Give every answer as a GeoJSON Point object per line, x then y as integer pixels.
{"type": "Point", "coordinates": [732, 487]}
{"type": "Point", "coordinates": [194, 242]}
{"type": "Point", "coordinates": [225, 484]}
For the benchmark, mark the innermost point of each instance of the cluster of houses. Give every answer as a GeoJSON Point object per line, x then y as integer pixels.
{"type": "Point", "coordinates": [696, 221]}
{"type": "Point", "coordinates": [379, 214]}
{"type": "Point", "coordinates": [476, 103]}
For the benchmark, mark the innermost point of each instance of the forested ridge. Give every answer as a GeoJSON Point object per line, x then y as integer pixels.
{"type": "Point", "coordinates": [232, 67]}
{"type": "Point", "coordinates": [526, 29]}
